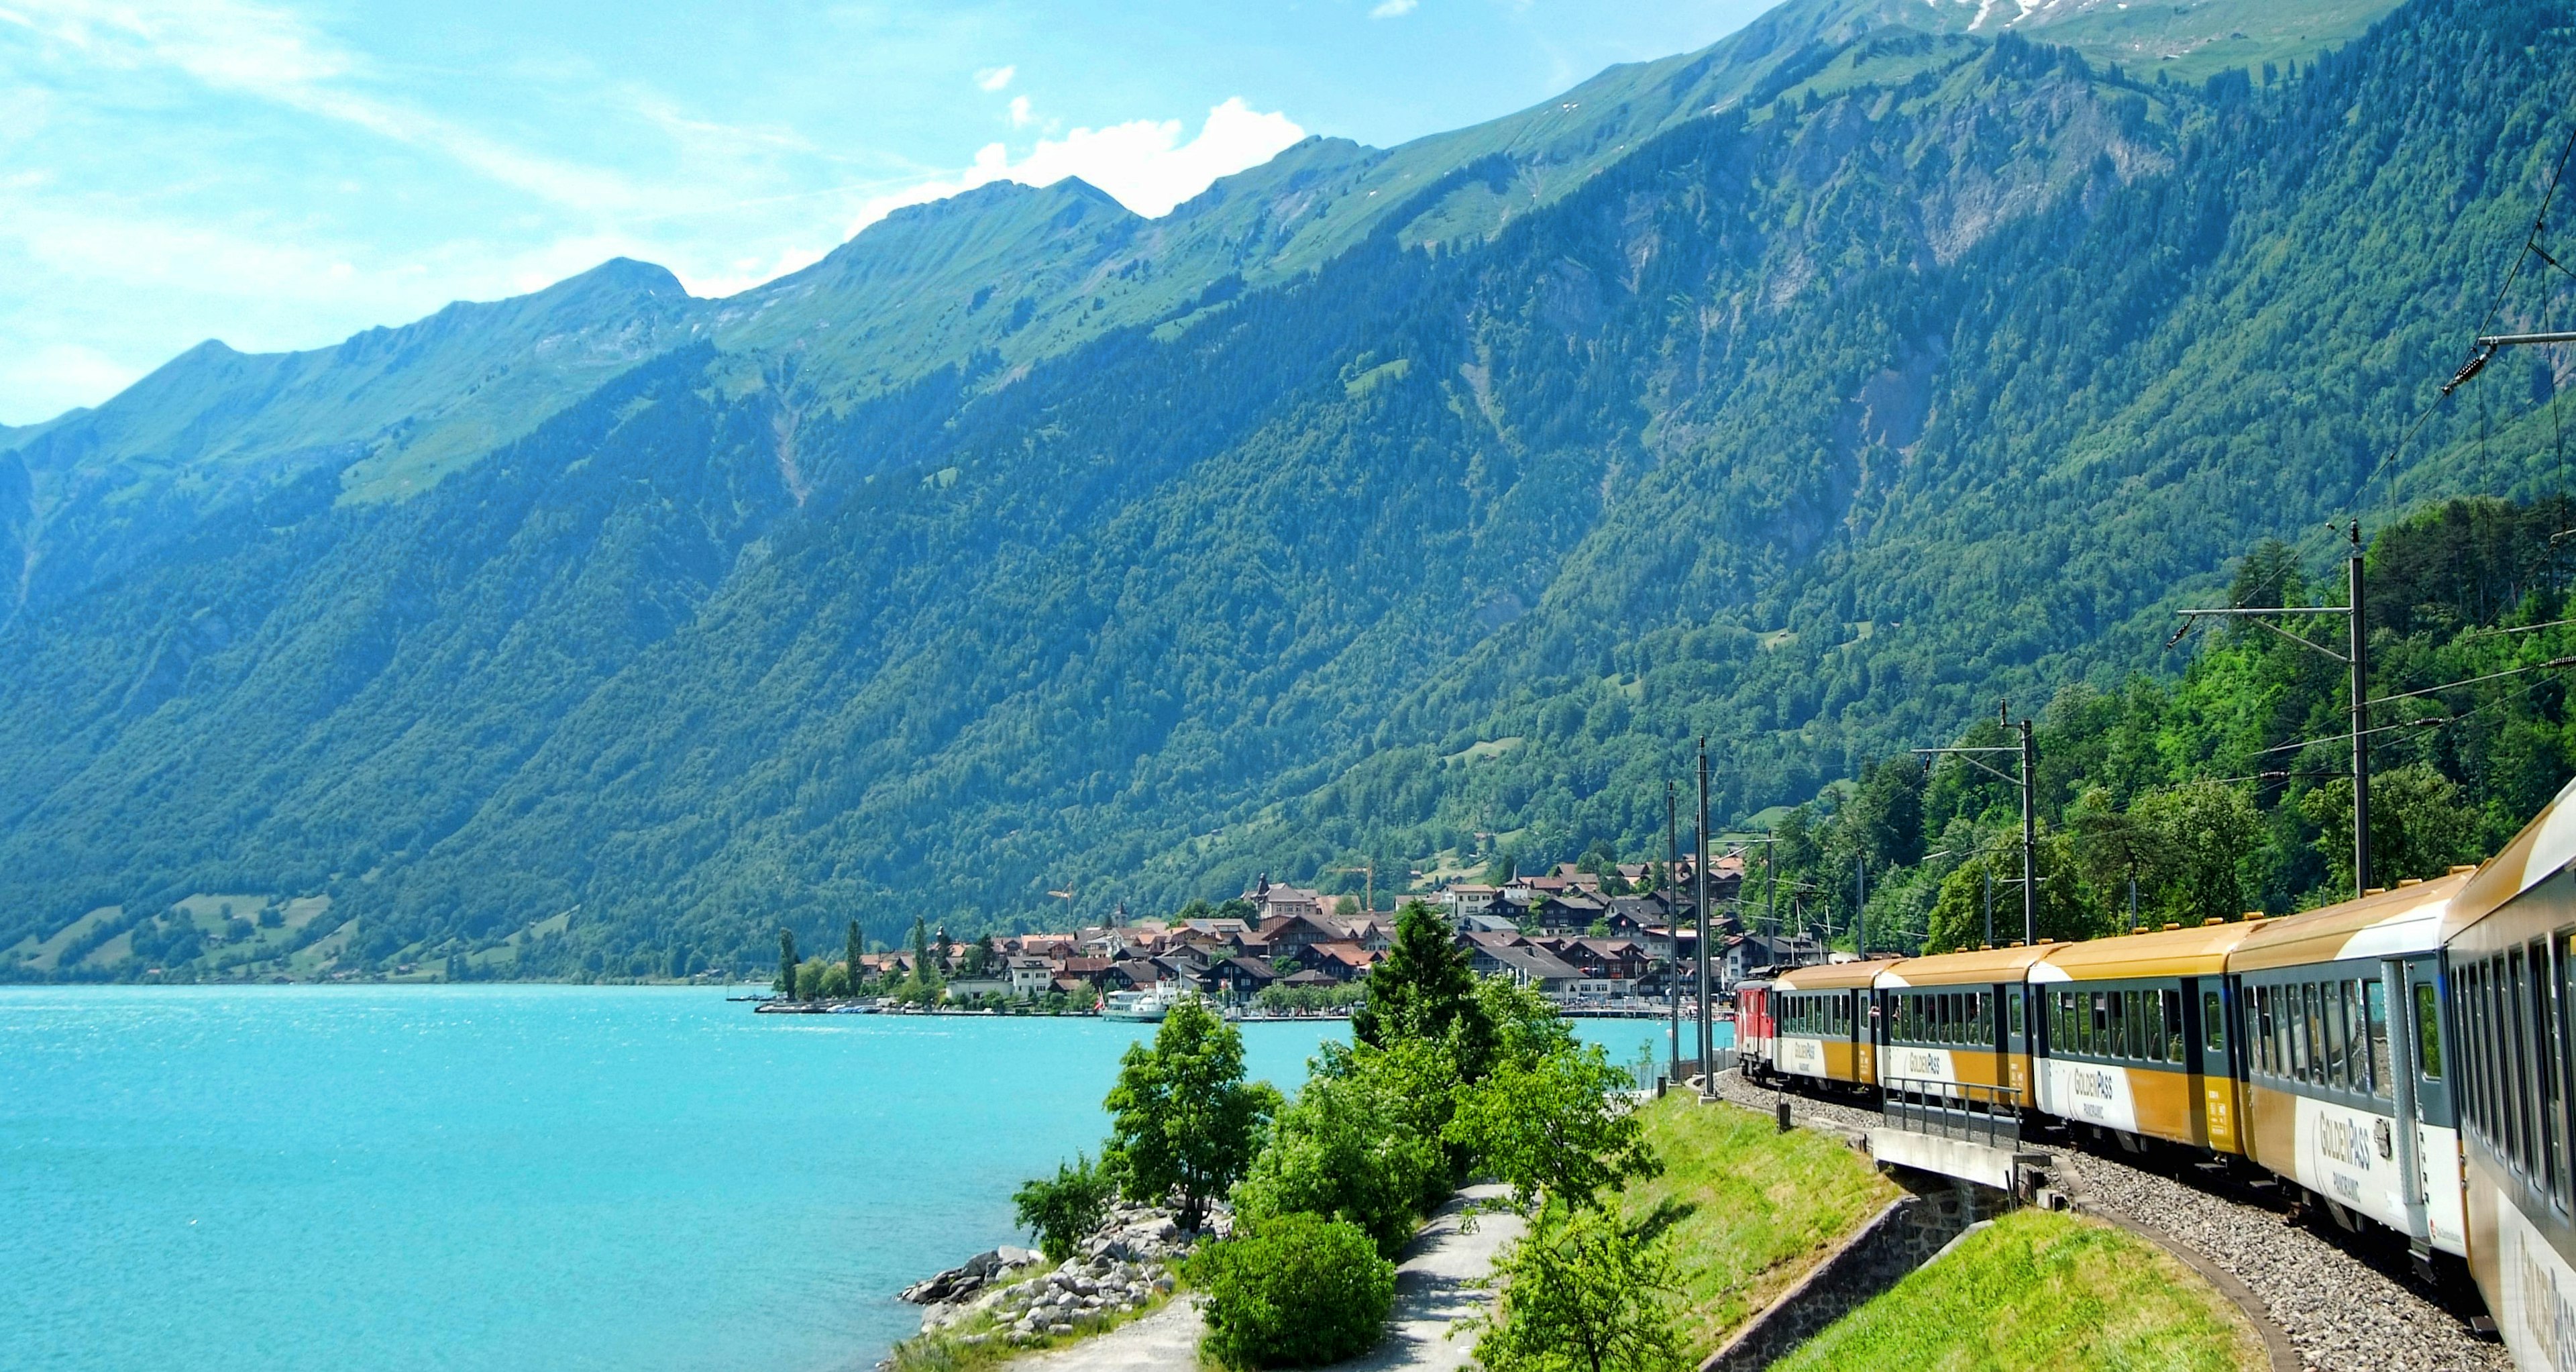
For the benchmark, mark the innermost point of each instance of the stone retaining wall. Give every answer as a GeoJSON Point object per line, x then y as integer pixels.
{"type": "Point", "coordinates": [1897, 1240]}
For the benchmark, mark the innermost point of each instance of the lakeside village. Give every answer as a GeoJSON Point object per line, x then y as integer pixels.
{"type": "Point", "coordinates": [1598, 940]}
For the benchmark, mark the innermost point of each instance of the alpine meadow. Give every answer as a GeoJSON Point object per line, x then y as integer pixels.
{"type": "Point", "coordinates": [1416, 508]}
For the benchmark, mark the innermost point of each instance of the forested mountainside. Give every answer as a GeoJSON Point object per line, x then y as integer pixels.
{"type": "Point", "coordinates": [1838, 380]}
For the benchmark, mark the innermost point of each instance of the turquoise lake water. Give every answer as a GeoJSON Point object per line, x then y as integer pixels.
{"type": "Point", "coordinates": [559, 1178]}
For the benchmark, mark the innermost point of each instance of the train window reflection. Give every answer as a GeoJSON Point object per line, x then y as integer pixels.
{"type": "Point", "coordinates": [2299, 1039]}
{"type": "Point", "coordinates": [2213, 1022]}
{"type": "Point", "coordinates": [2428, 1031]}
{"type": "Point", "coordinates": [2338, 1063]}
{"type": "Point", "coordinates": [2375, 994]}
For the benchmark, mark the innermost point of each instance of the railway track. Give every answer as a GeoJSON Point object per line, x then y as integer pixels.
{"type": "Point", "coordinates": [2348, 1302]}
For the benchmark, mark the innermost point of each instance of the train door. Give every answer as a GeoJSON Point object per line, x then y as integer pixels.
{"type": "Point", "coordinates": [2210, 1053]}
{"type": "Point", "coordinates": [2016, 1042]}
{"type": "Point", "coordinates": [2428, 1154]}
{"type": "Point", "coordinates": [1864, 1012]}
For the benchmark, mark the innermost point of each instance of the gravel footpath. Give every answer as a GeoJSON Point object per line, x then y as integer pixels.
{"type": "Point", "coordinates": [2343, 1312]}
{"type": "Point", "coordinates": [1435, 1286]}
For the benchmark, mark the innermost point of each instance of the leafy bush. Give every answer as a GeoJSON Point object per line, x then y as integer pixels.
{"type": "Point", "coordinates": [1583, 1292]}
{"type": "Point", "coordinates": [1549, 1127]}
{"type": "Point", "coordinates": [1183, 1121]}
{"type": "Point", "coordinates": [1062, 1211]}
{"type": "Point", "coordinates": [1296, 1290]}
{"type": "Point", "coordinates": [1360, 1144]}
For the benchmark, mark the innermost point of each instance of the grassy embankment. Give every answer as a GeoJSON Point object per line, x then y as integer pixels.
{"type": "Point", "coordinates": [2041, 1290]}
{"type": "Point", "coordinates": [1761, 1206]}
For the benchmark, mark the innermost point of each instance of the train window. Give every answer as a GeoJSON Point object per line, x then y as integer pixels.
{"type": "Point", "coordinates": [2260, 1030]}
{"type": "Point", "coordinates": [2338, 1063]}
{"type": "Point", "coordinates": [2173, 1026]}
{"type": "Point", "coordinates": [2285, 1029]}
{"type": "Point", "coordinates": [2142, 1023]}
{"type": "Point", "coordinates": [2375, 999]}
{"type": "Point", "coordinates": [2124, 1024]}
{"type": "Point", "coordinates": [2428, 1032]}
{"type": "Point", "coordinates": [2213, 1022]}
{"type": "Point", "coordinates": [2013, 1000]}
{"type": "Point", "coordinates": [2542, 1084]}
{"type": "Point", "coordinates": [2518, 1064]}
{"type": "Point", "coordinates": [2299, 1031]}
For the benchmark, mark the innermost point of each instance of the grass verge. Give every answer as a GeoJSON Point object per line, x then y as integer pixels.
{"type": "Point", "coordinates": [1757, 1207]}
{"type": "Point", "coordinates": [2041, 1290]}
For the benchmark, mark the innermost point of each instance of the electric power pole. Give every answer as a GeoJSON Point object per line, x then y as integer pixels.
{"type": "Point", "coordinates": [2360, 723]}
{"type": "Point", "coordinates": [2028, 753]}
{"type": "Point", "coordinates": [2357, 631]}
{"type": "Point", "coordinates": [1860, 912]}
{"type": "Point", "coordinates": [1673, 922]}
{"type": "Point", "coordinates": [2029, 841]}
{"type": "Point", "coordinates": [1699, 876]}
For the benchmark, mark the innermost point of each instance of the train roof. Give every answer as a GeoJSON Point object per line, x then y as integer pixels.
{"type": "Point", "coordinates": [2198, 951]}
{"type": "Point", "coordinates": [2390, 924]}
{"type": "Point", "coordinates": [1977, 967]}
{"type": "Point", "coordinates": [2543, 849]}
{"type": "Point", "coordinates": [1832, 976]}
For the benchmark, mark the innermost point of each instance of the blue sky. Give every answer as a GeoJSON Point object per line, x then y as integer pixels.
{"type": "Point", "coordinates": [282, 175]}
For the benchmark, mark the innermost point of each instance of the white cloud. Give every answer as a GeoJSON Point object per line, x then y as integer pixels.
{"type": "Point", "coordinates": [1389, 9]}
{"type": "Point", "coordinates": [994, 78]}
{"type": "Point", "coordinates": [1143, 162]}
{"type": "Point", "coordinates": [75, 374]}
{"type": "Point", "coordinates": [271, 55]}
{"type": "Point", "coordinates": [1020, 116]}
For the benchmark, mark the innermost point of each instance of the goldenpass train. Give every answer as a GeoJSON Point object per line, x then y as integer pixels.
{"type": "Point", "coordinates": [2407, 1059]}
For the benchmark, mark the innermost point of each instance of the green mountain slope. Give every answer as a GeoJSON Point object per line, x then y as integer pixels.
{"type": "Point", "coordinates": [1810, 422]}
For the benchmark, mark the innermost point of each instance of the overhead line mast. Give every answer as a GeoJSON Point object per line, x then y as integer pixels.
{"type": "Point", "coordinates": [2028, 753]}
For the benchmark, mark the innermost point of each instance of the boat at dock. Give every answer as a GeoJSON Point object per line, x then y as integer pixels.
{"type": "Point", "coordinates": [1146, 1007]}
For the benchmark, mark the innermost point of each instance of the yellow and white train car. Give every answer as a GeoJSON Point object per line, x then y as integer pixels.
{"type": "Point", "coordinates": [1957, 1021]}
{"type": "Point", "coordinates": [2134, 1035]}
{"type": "Point", "coordinates": [1821, 1023]}
{"type": "Point", "coordinates": [2510, 1008]}
{"type": "Point", "coordinates": [2347, 1091]}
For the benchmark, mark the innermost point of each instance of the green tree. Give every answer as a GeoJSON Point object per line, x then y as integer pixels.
{"type": "Point", "coordinates": [1582, 1291]}
{"type": "Point", "coordinates": [1296, 1290]}
{"type": "Point", "coordinates": [1548, 1128]}
{"type": "Point", "coordinates": [1064, 1210]}
{"type": "Point", "coordinates": [1183, 1121]}
{"type": "Point", "coordinates": [852, 948]}
{"type": "Point", "coordinates": [786, 982]}
{"type": "Point", "coordinates": [2114, 848]}
{"type": "Point", "coordinates": [1425, 987]}
{"type": "Point", "coordinates": [1354, 1145]}
{"type": "Point", "coordinates": [2204, 831]}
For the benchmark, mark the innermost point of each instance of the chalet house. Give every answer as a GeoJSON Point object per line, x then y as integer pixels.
{"type": "Point", "coordinates": [1340, 961]}
{"type": "Point", "coordinates": [1376, 935]}
{"type": "Point", "coordinates": [1303, 931]}
{"type": "Point", "coordinates": [1240, 978]}
{"type": "Point", "coordinates": [1132, 974]}
{"type": "Point", "coordinates": [1572, 912]}
{"type": "Point", "coordinates": [1753, 955]}
{"type": "Point", "coordinates": [1087, 970]}
{"type": "Point", "coordinates": [1535, 968]}
{"type": "Point", "coordinates": [1483, 950]}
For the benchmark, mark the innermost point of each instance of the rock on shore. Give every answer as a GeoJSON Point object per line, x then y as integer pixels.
{"type": "Point", "coordinates": [1124, 1264]}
